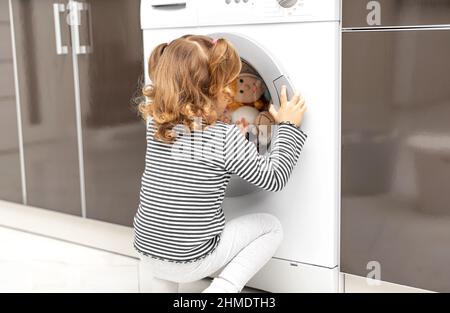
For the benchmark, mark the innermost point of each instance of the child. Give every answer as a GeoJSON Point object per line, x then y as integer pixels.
{"type": "Point", "coordinates": [180, 228]}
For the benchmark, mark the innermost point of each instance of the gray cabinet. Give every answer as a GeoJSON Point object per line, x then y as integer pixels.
{"type": "Point", "coordinates": [79, 69]}
{"type": "Point", "coordinates": [48, 110]}
{"type": "Point", "coordinates": [395, 208]}
{"type": "Point", "coordinates": [113, 134]}
{"type": "Point", "coordinates": [10, 171]}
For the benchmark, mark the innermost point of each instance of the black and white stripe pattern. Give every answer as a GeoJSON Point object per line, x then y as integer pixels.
{"type": "Point", "coordinates": [180, 217]}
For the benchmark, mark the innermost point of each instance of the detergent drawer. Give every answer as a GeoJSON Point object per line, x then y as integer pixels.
{"type": "Point", "coordinates": [168, 13]}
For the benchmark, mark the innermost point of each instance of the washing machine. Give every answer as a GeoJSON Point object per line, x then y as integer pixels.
{"type": "Point", "coordinates": [286, 42]}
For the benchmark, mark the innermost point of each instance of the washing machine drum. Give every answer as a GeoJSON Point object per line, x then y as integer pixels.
{"type": "Point", "coordinates": [259, 61]}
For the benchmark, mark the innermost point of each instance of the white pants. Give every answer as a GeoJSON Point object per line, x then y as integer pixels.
{"type": "Point", "coordinates": [247, 244]}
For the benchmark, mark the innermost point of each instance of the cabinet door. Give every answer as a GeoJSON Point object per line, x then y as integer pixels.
{"type": "Point", "coordinates": [10, 175]}
{"type": "Point", "coordinates": [395, 209]}
{"type": "Point", "coordinates": [113, 134]}
{"type": "Point", "coordinates": [48, 107]}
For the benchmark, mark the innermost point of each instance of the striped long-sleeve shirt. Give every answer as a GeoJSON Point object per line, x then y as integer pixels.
{"type": "Point", "coordinates": [180, 217]}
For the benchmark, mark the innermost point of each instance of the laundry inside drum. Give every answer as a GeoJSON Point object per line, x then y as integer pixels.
{"type": "Point", "coordinates": [249, 111]}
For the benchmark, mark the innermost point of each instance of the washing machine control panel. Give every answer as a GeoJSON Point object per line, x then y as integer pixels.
{"type": "Point", "coordinates": [269, 8]}
{"type": "Point", "coordinates": [223, 12]}
{"type": "Point", "coordinates": [283, 3]}
{"type": "Point", "coordinates": [184, 13]}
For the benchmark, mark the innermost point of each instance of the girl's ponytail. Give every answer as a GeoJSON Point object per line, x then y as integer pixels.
{"type": "Point", "coordinates": [222, 62]}
{"type": "Point", "coordinates": [149, 90]}
{"type": "Point", "coordinates": [154, 59]}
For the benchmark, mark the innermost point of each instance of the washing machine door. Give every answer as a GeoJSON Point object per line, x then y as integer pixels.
{"type": "Point", "coordinates": [260, 60]}
{"type": "Point", "coordinates": [273, 76]}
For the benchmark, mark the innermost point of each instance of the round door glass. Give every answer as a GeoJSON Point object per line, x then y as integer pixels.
{"type": "Point", "coordinates": [257, 87]}
{"type": "Point", "coordinates": [251, 101]}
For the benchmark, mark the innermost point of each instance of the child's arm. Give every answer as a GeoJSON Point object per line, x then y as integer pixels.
{"type": "Point", "coordinates": [270, 172]}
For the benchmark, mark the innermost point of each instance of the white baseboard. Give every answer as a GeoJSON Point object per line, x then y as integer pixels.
{"type": "Point", "coordinates": [358, 284]}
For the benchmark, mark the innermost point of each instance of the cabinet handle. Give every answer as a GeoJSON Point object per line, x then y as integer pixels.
{"type": "Point", "coordinates": [59, 8]}
{"type": "Point", "coordinates": [87, 8]}
{"type": "Point", "coordinates": [75, 23]}
{"type": "Point", "coordinates": [168, 4]}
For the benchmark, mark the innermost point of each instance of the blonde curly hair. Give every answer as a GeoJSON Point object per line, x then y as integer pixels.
{"type": "Point", "coordinates": [188, 77]}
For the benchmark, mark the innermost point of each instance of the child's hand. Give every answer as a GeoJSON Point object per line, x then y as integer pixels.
{"type": "Point", "coordinates": [225, 118]}
{"type": "Point", "coordinates": [243, 125]}
{"type": "Point", "coordinates": [290, 111]}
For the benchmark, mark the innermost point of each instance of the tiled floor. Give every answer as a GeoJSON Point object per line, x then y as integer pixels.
{"type": "Point", "coordinates": [32, 263]}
